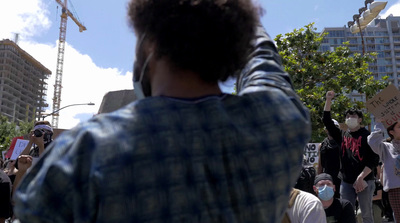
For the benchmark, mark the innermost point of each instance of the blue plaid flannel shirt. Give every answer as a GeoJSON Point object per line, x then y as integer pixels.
{"type": "Point", "coordinates": [226, 158]}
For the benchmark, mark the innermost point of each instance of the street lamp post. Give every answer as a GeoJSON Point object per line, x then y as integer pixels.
{"type": "Point", "coordinates": [364, 17]}
{"type": "Point", "coordinates": [56, 111]}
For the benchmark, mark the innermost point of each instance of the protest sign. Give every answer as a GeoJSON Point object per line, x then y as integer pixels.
{"type": "Point", "coordinates": [311, 152]}
{"type": "Point", "coordinates": [13, 142]}
{"type": "Point", "coordinates": [386, 105]}
{"type": "Point", "coordinates": [18, 148]}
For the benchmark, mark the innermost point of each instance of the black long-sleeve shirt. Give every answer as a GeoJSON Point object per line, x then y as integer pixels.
{"type": "Point", "coordinates": [355, 153]}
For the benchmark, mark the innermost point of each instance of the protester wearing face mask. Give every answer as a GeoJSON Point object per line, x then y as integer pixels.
{"type": "Point", "coordinates": [336, 210]}
{"type": "Point", "coordinates": [390, 156]}
{"type": "Point", "coordinates": [185, 151]}
{"type": "Point", "coordinates": [356, 158]}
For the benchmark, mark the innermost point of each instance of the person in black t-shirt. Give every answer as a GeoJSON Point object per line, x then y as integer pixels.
{"type": "Point", "coordinates": [336, 210]}
{"type": "Point", "coordinates": [329, 159]}
{"type": "Point", "coordinates": [357, 159]}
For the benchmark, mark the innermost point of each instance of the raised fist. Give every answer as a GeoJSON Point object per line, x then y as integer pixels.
{"type": "Point", "coordinates": [330, 95]}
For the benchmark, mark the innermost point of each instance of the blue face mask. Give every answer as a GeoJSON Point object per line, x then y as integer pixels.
{"type": "Point", "coordinates": [325, 193]}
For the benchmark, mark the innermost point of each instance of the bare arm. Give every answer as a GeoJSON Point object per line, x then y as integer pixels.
{"type": "Point", "coordinates": [24, 162]}
{"type": "Point", "coordinates": [378, 196]}
{"type": "Point", "coordinates": [359, 184]}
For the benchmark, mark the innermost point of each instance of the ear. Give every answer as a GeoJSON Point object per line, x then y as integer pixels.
{"type": "Point", "coordinates": [391, 132]}
{"type": "Point", "coordinates": [315, 189]}
{"type": "Point", "coordinates": [359, 120]}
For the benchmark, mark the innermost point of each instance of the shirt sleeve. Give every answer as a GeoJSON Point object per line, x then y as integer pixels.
{"type": "Point", "coordinates": [264, 71]}
{"type": "Point", "coordinates": [370, 159]}
{"type": "Point", "coordinates": [334, 131]}
{"type": "Point", "coordinates": [376, 140]}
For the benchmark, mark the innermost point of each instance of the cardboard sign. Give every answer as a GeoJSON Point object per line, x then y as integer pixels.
{"type": "Point", "coordinates": [311, 152]}
{"type": "Point", "coordinates": [18, 148]}
{"type": "Point", "coordinates": [386, 105]}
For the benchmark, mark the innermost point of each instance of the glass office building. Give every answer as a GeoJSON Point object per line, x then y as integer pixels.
{"type": "Point", "coordinates": [381, 36]}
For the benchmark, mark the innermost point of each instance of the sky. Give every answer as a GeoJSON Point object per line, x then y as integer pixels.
{"type": "Point", "coordinates": [100, 59]}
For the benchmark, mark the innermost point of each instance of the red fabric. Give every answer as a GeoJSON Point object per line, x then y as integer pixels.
{"type": "Point", "coordinates": [394, 200]}
{"type": "Point", "coordinates": [10, 151]}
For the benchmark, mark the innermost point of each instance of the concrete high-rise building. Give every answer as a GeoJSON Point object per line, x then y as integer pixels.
{"type": "Point", "coordinates": [115, 100]}
{"type": "Point", "coordinates": [23, 86]}
{"type": "Point", "coordinates": [381, 36]}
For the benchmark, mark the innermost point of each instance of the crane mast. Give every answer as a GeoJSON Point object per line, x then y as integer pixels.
{"type": "Point", "coordinates": [60, 57]}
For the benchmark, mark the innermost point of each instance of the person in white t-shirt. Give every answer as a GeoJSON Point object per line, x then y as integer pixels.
{"type": "Point", "coordinates": [304, 207]}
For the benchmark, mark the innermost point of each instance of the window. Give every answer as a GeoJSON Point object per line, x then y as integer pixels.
{"type": "Point", "coordinates": [336, 33]}
{"type": "Point", "coordinates": [324, 48]}
{"type": "Point", "coordinates": [384, 33]}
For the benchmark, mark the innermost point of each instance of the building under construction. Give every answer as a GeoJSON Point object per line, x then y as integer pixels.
{"type": "Point", "coordinates": [23, 84]}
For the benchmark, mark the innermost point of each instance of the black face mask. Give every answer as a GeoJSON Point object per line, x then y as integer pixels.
{"type": "Point", "coordinates": [140, 68]}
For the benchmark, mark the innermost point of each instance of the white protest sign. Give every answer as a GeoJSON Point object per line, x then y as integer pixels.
{"type": "Point", "coordinates": [311, 152]}
{"type": "Point", "coordinates": [19, 147]}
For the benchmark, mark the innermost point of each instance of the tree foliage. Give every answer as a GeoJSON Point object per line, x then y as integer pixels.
{"type": "Point", "coordinates": [9, 130]}
{"type": "Point", "coordinates": [314, 73]}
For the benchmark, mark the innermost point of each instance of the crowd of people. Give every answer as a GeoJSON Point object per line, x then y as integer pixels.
{"type": "Point", "coordinates": [361, 166]}
{"type": "Point", "coordinates": [12, 171]}
{"type": "Point", "coordinates": [186, 152]}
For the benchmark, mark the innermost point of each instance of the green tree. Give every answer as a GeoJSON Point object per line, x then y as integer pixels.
{"type": "Point", "coordinates": [314, 73]}
{"type": "Point", "coordinates": [9, 130]}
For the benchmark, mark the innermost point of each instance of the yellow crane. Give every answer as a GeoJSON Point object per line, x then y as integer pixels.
{"type": "Point", "coordinates": [60, 57]}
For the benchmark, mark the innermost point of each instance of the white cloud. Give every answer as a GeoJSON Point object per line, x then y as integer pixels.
{"type": "Point", "coordinates": [394, 10]}
{"type": "Point", "coordinates": [26, 17]}
{"type": "Point", "coordinates": [83, 81]}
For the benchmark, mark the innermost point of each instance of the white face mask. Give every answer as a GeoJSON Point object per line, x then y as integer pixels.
{"type": "Point", "coordinates": [352, 122]}
{"type": "Point", "coordinates": [137, 85]}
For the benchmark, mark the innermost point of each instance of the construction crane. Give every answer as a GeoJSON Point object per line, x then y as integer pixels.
{"type": "Point", "coordinates": [60, 57]}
